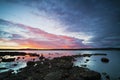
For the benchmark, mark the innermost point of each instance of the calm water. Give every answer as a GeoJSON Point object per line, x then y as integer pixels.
{"type": "Point", "coordinates": [112, 68]}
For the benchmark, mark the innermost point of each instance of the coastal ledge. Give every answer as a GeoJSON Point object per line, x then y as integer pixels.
{"type": "Point", "coordinates": [60, 68]}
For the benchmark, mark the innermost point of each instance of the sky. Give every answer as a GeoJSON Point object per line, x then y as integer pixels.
{"type": "Point", "coordinates": [56, 24]}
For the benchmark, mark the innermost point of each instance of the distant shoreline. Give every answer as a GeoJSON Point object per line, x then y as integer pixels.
{"type": "Point", "coordinates": [68, 49]}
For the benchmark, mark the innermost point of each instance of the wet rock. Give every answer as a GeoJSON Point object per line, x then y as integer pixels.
{"type": "Point", "coordinates": [105, 60]}
{"type": "Point", "coordinates": [18, 58]}
{"type": "Point", "coordinates": [41, 57]}
{"type": "Point", "coordinates": [14, 64]}
{"type": "Point", "coordinates": [83, 65]}
{"type": "Point", "coordinates": [87, 60]}
{"type": "Point", "coordinates": [2, 68]}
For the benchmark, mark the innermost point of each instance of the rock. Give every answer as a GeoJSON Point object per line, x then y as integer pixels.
{"type": "Point", "coordinates": [105, 60]}
{"type": "Point", "coordinates": [65, 65]}
{"type": "Point", "coordinates": [14, 64]}
{"type": "Point", "coordinates": [83, 65]}
{"type": "Point", "coordinates": [8, 60]}
{"type": "Point", "coordinates": [5, 74]}
{"type": "Point", "coordinates": [2, 68]}
{"type": "Point", "coordinates": [107, 77]}
{"type": "Point", "coordinates": [30, 63]}
{"type": "Point", "coordinates": [90, 75]}
{"type": "Point", "coordinates": [53, 76]}
{"type": "Point", "coordinates": [118, 78]}
{"type": "Point", "coordinates": [104, 73]}
{"type": "Point", "coordinates": [41, 57]}
{"type": "Point", "coordinates": [65, 75]}
{"type": "Point", "coordinates": [18, 58]}
{"type": "Point", "coordinates": [80, 73]}
{"type": "Point", "coordinates": [23, 57]}
{"type": "Point", "coordinates": [87, 59]}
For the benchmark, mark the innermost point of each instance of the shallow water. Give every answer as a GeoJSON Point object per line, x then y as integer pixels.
{"type": "Point", "coordinates": [112, 68]}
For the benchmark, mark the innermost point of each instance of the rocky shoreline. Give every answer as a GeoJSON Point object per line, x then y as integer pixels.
{"type": "Point", "coordinates": [60, 68]}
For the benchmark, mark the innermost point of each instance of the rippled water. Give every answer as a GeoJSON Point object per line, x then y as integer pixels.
{"type": "Point", "coordinates": [112, 68]}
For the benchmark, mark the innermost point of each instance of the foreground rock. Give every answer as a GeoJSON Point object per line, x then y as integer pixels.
{"type": "Point", "coordinates": [57, 75]}
{"type": "Point", "coordinates": [56, 69]}
{"type": "Point", "coordinates": [5, 75]}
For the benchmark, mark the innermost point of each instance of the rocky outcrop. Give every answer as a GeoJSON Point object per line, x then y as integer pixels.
{"type": "Point", "coordinates": [56, 69]}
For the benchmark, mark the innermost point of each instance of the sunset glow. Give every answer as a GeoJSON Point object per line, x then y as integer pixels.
{"type": "Point", "coordinates": [52, 24]}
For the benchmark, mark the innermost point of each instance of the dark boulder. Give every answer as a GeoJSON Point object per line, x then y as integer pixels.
{"type": "Point", "coordinates": [105, 60]}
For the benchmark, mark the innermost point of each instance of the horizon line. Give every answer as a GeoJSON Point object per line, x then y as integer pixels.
{"type": "Point", "coordinates": [109, 48]}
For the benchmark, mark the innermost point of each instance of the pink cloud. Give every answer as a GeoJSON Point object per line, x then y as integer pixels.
{"type": "Point", "coordinates": [40, 39]}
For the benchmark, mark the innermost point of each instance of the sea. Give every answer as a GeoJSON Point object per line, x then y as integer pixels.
{"type": "Point", "coordinates": [112, 68]}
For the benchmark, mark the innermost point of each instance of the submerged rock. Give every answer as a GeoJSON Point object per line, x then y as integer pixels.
{"type": "Point", "coordinates": [3, 68]}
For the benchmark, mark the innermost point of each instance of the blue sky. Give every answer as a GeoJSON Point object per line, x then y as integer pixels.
{"type": "Point", "coordinates": [75, 23]}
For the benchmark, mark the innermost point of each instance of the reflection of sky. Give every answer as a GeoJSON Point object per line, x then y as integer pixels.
{"type": "Point", "coordinates": [10, 66]}
{"type": "Point", "coordinates": [59, 24]}
{"type": "Point", "coordinates": [94, 63]}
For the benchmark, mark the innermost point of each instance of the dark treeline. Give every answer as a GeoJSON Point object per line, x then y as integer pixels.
{"type": "Point", "coordinates": [68, 49]}
{"type": "Point", "coordinates": [17, 54]}
{"type": "Point", "coordinates": [12, 53]}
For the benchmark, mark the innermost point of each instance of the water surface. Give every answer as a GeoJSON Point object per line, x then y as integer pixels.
{"type": "Point", "coordinates": [112, 68]}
